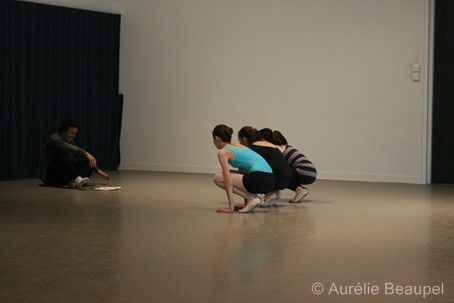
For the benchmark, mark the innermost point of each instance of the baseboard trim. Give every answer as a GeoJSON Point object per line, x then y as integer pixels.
{"type": "Point", "coordinates": [321, 175]}
{"type": "Point", "coordinates": [372, 178]}
{"type": "Point", "coordinates": [171, 168]}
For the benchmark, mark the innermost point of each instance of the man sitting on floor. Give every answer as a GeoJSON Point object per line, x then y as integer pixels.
{"type": "Point", "coordinates": [64, 163]}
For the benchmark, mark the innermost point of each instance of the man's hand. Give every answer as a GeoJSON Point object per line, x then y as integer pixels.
{"type": "Point", "coordinates": [103, 175]}
{"type": "Point", "coordinates": [91, 159]}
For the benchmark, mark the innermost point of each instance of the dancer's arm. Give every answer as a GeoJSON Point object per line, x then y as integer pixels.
{"type": "Point", "coordinates": [224, 161]}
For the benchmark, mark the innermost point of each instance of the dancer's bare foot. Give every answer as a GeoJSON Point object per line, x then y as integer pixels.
{"type": "Point", "coordinates": [300, 193]}
{"type": "Point", "coordinates": [253, 203]}
{"type": "Point", "coordinates": [239, 206]}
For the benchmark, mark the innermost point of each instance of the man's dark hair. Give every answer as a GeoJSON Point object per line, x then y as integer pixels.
{"type": "Point", "coordinates": [66, 124]}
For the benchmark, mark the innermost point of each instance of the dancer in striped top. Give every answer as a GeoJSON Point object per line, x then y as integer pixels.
{"type": "Point", "coordinates": [303, 170]}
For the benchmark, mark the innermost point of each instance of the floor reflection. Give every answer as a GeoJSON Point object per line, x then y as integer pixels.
{"type": "Point", "coordinates": [61, 245]}
{"type": "Point", "coordinates": [250, 247]}
{"type": "Point", "coordinates": [441, 240]}
{"type": "Point", "coordinates": [159, 239]}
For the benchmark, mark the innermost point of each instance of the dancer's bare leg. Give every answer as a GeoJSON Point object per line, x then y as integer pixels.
{"type": "Point", "coordinates": [238, 187]}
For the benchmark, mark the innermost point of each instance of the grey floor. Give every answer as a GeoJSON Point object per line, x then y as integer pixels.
{"type": "Point", "coordinates": [159, 240]}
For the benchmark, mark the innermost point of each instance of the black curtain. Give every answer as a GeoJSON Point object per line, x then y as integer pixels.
{"type": "Point", "coordinates": [56, 63]}
{"type": "Point", "coordinates": [443, 94]}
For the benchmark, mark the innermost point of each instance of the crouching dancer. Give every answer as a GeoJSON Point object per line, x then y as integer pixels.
{"type": "Point", "coordinates": [303, 170]}
{"type": "Point", "coordinates": [257, 179]}
{"type": "Point", "coordinates": [63, 162]}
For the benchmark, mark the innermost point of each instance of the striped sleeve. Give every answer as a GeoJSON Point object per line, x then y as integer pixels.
{"type": "Point", "coordinates": [299, 161]}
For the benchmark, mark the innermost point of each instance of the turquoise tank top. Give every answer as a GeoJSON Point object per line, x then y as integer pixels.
{"type": "Point", "coordinates": [248, 160]}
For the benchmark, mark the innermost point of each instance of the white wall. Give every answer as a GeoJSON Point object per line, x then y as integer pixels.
{"type": "Point", "coordinates": [108, 6]}
{"type": "Point", "coordinates": [333, 76]}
